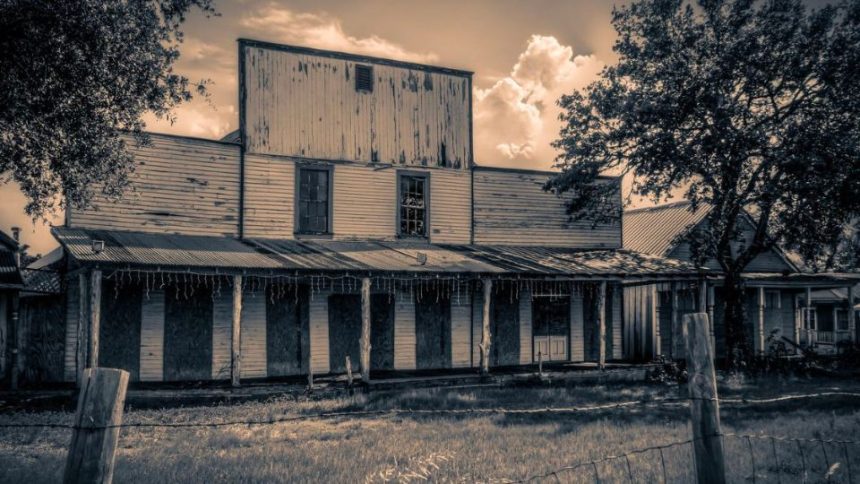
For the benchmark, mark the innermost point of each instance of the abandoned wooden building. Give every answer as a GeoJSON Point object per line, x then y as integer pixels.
{"type": "Point", "coordinates": [345, 218]}
{"type": "Point", "coordinates": [777, 291]}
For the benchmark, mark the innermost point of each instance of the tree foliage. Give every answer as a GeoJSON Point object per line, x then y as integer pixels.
{"type": "Point", "coordinates": [75, 74]}
{"type": "Point", "coordinates": [744, 105]}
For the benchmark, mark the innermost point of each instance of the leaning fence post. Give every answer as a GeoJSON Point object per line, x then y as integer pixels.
{"type": "Point", "coordinates": [704, 400]}
{"type": "Point", "coordinates": [99, 414]}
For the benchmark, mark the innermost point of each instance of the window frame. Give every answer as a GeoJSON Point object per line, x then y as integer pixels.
{"type": "Point", "coordinates": [414, 174]}
{"type": "Point", "coordinates": [297, 228]}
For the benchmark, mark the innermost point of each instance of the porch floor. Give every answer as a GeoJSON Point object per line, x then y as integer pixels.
{"type": "Point", "coordinates": [163, 395]}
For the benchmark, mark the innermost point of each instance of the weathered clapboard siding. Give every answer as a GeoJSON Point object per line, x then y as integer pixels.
{"type": "Point", "coordinates": [511, 208]}
{"type": "Point", "coordinates": [71, 346]}
{"type": "Point", "coordinates": [461, 327]}
{"type": "Point", "coordinates": [364, 201]}
{"type": "Point", "coordinates": [526, 347]}
{"type": "Point", "coordinates": [768, 261]}
{"type": "Point", "coordinates": [577, 333]}
{"type": "Point", "coordinates": [152, 336]}
{"type": "Point", "coordinates": [477, 316]}
{"type": "Point", "coordinates": [404, 332]}
{"type": "Point", "coordinates": [319, 331]}
{"type": "Point", "coordinates": [270, 186]}
{"type": "Point", "coordinates": [617, 323]}
{"type": "Point", "coordinates": [253, 339]}
{"type": "Point", "coordinates": [305, 104]}
{"type": "Point", "coordinates": [222, 334]}
{"type": "Point", "coordinates": [182, 185]}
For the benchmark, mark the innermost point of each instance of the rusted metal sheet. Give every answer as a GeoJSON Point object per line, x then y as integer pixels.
{"type": "Point", "coordinates": [511, 208]}
{"type": "Point", "coordinates": [560, 261]}
{"type": "Point", "coordinates": [394, 256]}
{"type": "Point", "coordinates": [161, 250]}
{"type": "Point", "coordinates": [180, 185]}
{"type": "Point", "coordinates": [304, 103]}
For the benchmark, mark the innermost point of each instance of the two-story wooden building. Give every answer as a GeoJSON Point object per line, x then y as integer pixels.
{"type": "Point", "coordinates": [345, 218]}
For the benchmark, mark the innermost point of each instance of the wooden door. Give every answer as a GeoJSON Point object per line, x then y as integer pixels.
{"type": "Point", "coordinates": [551, 327]}
{"type": "Point", "coordinates": [187, 334]}
{"type": "Point", "coordinates": [433, 330]}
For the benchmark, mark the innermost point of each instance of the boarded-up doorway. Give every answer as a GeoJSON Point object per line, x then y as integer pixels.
{"type": "Point", "coordinates": [504, 326]}
{"type": "Point", "coordinates": [433, 329]}
{"type": "Point", "coordinates": [344, 316]}
{"type": "Point", "coordinates": [119, 327]}
{"type": "Point", "coordinates": [551, 328]}
{"type": "Point", "coordinates": [287, 331]}
{"type": "Point", "coordinates": [187, 334]}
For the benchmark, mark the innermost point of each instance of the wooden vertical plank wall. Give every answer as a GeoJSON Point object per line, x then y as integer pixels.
{"type": "Point", "coordinates": [152, 336]}
{"type": "Point", "coordinates": [222, 337]}
{"type": "Point", "coordinates": [404, 331]}
{"type": "Point", "coordinates": [577, 330]}
{"type": "Point", "coordinates": [461, 327]}
{"type": "Point", "coordinates": [253, 339]}
{"type": "Point", "coordinates": [319, 332]}
{"type": "Point", "coordinates": [525, 308]}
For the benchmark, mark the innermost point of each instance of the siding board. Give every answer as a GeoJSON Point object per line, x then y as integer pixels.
{"type": "Point", "coordinates": [461, 327]}
{"type": "Point", "coordinates": [253, 345]}
{"type": "Point", "coordinates": [526, 349]}
{"type": "Point", "coordinates": [577, 318]}
{"type": "Point", "coordinates": [152, 337]}
{"type": "Point", "coordinates": [319, 331]}
{"type": "Point", "coordinates": [222, 334]}
{"type": "Point", "coordinates": [404, 331]}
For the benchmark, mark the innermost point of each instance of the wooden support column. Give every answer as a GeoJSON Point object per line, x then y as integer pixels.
{"type": "Point", "coordinates": [654, 296]}
{"type": "Point", "coordinates": [807, 316]}
{"type": "Point", "coordinates": [601, 324]}
{"type": "Point", "coordinates": [711, 321]}
{"type": "Point", "coordinates": [14, 322]}
{"type": "Point", "coordinates": [675, 337]}
{"type": "Point", "coordinates": [760, 322]}
{"type": "Point", "coordinates": [81, 346]}
{"type": "Point", "coordinates": [236, 340]}
{"type": "Point", "coordinates": [851, 317]}
{"type": "Point", "coordinates": [365, 330]}
{"type": "Point", "coordinates": [95, 317]}
{"type": "Point", "coordinates": [485, 327]}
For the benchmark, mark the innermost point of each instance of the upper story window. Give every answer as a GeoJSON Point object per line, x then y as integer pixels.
{"type": "Point", "coordinates": [363, 78]}
{"type": "Point", "coordinates": [314, 201]}
{"type": "Point", "coordinates": [413, 204]}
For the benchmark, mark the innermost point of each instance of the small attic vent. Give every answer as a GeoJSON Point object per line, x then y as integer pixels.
{"type": "Point", "coordinates": [363, 78]}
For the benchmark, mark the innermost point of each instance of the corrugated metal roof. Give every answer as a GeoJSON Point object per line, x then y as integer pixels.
{"type": "Point", "coordinates": [573, 262]}
{"type": "Point", "coordinates": [162, 250]}
{"type": "Point", "coordinates": [653, 230]}
{"type": "Point", "coordinates": [393, 256]}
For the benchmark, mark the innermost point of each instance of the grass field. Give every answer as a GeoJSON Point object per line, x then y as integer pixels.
{"type": "Point", "coordinates": [462, 447]}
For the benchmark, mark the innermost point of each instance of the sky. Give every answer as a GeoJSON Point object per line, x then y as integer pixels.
{"type": "Point", "coordinates": [524, 56]}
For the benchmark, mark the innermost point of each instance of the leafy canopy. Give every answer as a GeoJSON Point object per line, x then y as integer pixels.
{"type": "Point", "coordinates": [744, 105]}
{"type": "Point", "coordinates": [75, 73]}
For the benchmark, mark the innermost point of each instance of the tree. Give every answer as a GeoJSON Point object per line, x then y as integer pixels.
{"type": "Point", "coordinates": [750, 107]}
{"type": "Point", "coordinates": [75, 75]}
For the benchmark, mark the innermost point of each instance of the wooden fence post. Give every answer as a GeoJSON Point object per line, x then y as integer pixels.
{"type": "Point", "coordinates": [485, 327]}
{"type": "Point", "coordinates": [365, 330]}
{"type": "Point", "coordinates": [93, 447]}
{"type": "Point", "coordinates": [704, 402]}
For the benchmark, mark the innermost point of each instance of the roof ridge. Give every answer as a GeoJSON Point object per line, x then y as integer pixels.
{"type": "Point", "coordinates": [658, 207]}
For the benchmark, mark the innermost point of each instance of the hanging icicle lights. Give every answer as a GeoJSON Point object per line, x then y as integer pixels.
{"type": "Point", "coordinates": [282, 285]}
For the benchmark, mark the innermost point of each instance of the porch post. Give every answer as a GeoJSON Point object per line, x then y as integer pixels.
{"type": "Point", "coordinates": [807, 316]}
{"type": "Point", "coordinates": [81, 347]}
{"type": "Point", "coordinates": [601, 323]}
{"type": "Point", "coordinates": [713, 323]}
{"type": "Point", "coordinates": [95, 317]}
{"type": "Point", "coordinates": [851, 317]}
{"type": "Point", "coordinates": [365, 330]}
{"type": "Point", "coordinates": [485, 326]}
{"type": "Point", "coordinates": [654, 297]}
{"type": "Point", "coordinates": [236, 339]}
{"type": "Point", "coordinates": [760, 321]}
{"type": "Point", "coordinates": [675, 337]}
{"type": "Point", "coordinates": [18, 345]}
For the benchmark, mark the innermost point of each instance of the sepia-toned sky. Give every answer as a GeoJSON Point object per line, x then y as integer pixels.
{"type": "Point", "coordinates": [524, 56]}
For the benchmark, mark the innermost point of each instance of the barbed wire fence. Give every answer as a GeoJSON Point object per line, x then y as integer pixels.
{"type": "Point", "coordinates": [752, 457]}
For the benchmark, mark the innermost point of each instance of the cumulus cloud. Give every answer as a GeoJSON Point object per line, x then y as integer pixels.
{"type": "Point", "coordinates": [320, 30]}
{"type": "Point", "coordinates": [198, 119]}
{"type": "Point", "coordinates": [516, 118]}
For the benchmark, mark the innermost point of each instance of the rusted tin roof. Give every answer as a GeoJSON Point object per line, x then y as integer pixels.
{"type": "Point", "coordinates": [653, 230]}
{"type": "Point", "coordinates": [389, 256]}
{"type": "Point", "coordinates": [561, 261]}
{"type": "Point", "coordinates": [162, 250]}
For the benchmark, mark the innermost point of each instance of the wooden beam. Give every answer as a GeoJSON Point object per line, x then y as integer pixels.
{"type": "Point", "coordinates": [807, 316]}
{"type": "Point", "coordinates": [654, 296]}
{"type": "Point", "coordinates": [236, 340]}
{"type": "Point", "coordinates": [760, 321]}
{"type": "Point", "coordinates": [852, 318]}
{"type": "Point", "coordinates": [95, 317]}
{"type": "Point", "coordinates": [675, 337]}
{"type": "Point", "coordinates": [485, 327]}
{"type": "Point", "coordinates": [81, 347]}
{"type": "Point", "coordinates": [711, 323]}
{"type": "Point", "coordinates": [704, 401]}
{"type": "Point", "coordinates": [601, 324]}
{"type": "Point", "coordinates": [365, 330]}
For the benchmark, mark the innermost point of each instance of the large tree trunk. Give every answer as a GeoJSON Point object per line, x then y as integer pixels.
{"type": "Point", "coordinates": [738, 349]}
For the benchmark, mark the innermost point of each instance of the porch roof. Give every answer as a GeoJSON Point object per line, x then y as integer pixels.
{"type": "Point", "coordinates": [172, 251]}
{"type": "Point", "coordinates": [161, 250]}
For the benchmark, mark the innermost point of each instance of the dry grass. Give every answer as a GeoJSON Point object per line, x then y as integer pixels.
{"type": "Point", "coordinates": [454, 448]}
